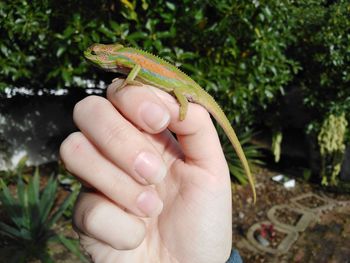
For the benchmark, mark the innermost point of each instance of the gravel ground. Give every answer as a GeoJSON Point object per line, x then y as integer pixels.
{"type": "Point", "coordinates": [326, 239]}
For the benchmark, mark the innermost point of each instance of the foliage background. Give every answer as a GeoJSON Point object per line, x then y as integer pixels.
{"type": "Point", "coordinates": [247, 54]}
{"type": "Point", "coordinates": [234, 50]}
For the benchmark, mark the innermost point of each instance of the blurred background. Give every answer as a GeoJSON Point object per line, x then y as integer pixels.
{"type": "Point", "coordinates": [280, 70]}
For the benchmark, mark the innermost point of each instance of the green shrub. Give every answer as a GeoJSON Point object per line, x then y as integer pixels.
{"type": "Point", "coordinates": [31, 218]}
{"type": "Point", "coordinates": [244, 53]}
{"type": "Point", "coordinates": [24, 43]}
{"type": "Point", "coordinates": [235, 51]}
{"type": "Point", "coordinates": [332, 148]}
{"type": "Point", "coordinates": [323, 51]}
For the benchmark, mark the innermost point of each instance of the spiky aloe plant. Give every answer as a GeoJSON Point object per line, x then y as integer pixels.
{"type": "Point", "coordinates": [251, 152]}
{"type": "Point", "coordinates": [31, 217]}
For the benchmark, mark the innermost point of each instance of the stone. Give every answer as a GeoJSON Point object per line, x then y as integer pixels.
{"type": "Point", "coordinates": [305, 217]}
{"type": "Point", "coordinates": [326, 203]}
{"type": "Point", "coordinates": [283, 246]}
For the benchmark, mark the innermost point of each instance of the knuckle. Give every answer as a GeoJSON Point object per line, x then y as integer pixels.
{"type": "Point", "coordinates": [115, 134]}
{"type": "Point", "coordinates": [72, 146]}
{"type": "Point", "coordinates": [113, 185]}
{"type": "Point", "coordinates": [90, 102]}
{"type": "Point", "coordinates": [203, 113]}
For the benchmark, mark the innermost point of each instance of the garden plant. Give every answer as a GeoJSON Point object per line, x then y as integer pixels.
{"type": "Point", "coordinates": [31, 217]}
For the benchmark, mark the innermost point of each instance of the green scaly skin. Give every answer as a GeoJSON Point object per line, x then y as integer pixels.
{"type": "Point", "coordinates": [142, 67]}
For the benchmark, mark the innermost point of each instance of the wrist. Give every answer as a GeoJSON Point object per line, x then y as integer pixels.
{"type": "Point", "coordinates": [234, 257]}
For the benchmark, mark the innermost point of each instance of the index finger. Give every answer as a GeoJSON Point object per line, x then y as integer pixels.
{"type": "Point", "coordinates": [196, 134]}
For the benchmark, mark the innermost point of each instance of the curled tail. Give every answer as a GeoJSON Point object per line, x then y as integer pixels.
{"type": "Point", "coordinates": [215, 110]}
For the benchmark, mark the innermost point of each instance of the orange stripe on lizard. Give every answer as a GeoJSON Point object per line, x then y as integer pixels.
{"type": "Point", "coordinates": [152, 66]}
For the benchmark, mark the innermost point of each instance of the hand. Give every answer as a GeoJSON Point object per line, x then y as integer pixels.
{"type": "Point", "coordinates": [148, 197]}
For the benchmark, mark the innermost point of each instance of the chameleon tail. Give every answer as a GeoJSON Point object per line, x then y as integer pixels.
{"type": "Point", "coordinates": [215, 110]}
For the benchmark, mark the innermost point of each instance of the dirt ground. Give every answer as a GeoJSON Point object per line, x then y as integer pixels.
{"type": "Point", "coordinates": [326, 239]}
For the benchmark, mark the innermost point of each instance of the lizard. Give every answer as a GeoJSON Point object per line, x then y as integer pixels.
{"type": "Point", "coordinates": [141, 67]}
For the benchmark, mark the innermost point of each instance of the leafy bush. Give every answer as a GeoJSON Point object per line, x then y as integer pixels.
{"type": "Point", "coordinates": [234, 50]}
{"type": "Point", "coordinates": [31, 219]}
{"type": "Point", "coordinates": [323, 51]}
{"type": "Point", "coordinates": [332, 148]}
{"type": "Point", "coordinates": [24, 41]}
{"type": "Point", "coordinates": [245, 54]}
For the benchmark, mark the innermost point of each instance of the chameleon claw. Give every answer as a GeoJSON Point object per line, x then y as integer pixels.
{"type": "Point", "coordinates": [116, 85]}
{"type": "Point", "coordinates": [135, 83]}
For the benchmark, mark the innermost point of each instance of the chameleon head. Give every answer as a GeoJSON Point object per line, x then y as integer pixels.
{"type": "Point", "coordinates": [101, 55]}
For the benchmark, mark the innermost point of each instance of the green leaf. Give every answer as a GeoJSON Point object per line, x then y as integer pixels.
{"type": "Point", "coordinates": [60, 51]}
{"type": "Point", "coordinates": [136, 36]}
{"type": "Point", "coordinates": [69, 199]}
{"type": "Point", "coordinates": [238, 173]}
{"type": "Point", "coordinates": [68, 32]}
{"type": "Point", "coordinates": [34, 189]}
{"type": "Point", "coordinates": [23, 203]}
{"type": "Point", "coordinates": [268, 94]}
{"type": "Point", "coordinates": [33, 201]}
{"type": "Point", "coordinates": [95, 37]}
{"type": "Point", "coordinates": [10, 205]}
{"type": "Point", "coordinates": [9, 231]}
{"type": "Point", "coordinates": [72, 246]}
{"type": "Point", "coordinates": [170, 5]}
{"type": "Point", "coordinates": [21, 165]}
{"type": "Point", "coordinates": [6, 195]}
{"type": "Point", "coordinates": [47, 199]}
{"type": "Point", "coordinates": [66, 75]}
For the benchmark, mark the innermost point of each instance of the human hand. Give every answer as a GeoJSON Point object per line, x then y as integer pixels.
{"type": "Point", "coordinates": [148, 197]}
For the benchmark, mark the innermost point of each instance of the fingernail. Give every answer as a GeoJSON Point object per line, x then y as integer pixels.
{"type": "Point", "coordinates": [149, 203]}
{"type": "Point", "coordinates": [153, 115]}
{"type": "Point", "coordinates": [150, 167]}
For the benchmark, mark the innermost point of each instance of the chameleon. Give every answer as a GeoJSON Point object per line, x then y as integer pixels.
{"type": "Point", "coordinates": [141, 67]}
